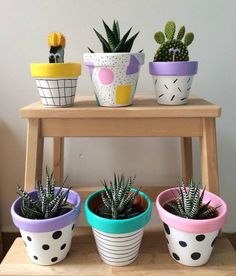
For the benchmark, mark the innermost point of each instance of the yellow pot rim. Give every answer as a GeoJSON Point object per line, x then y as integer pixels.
{"type": "Point", "coordinates": [55, 70]}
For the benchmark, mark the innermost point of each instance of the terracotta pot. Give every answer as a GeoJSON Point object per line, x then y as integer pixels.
{"type": "Point", "coordinates": [173, 80]}
{"type": "Point", "coordinates": [114, 76]}
{"type": "Point", "coordinates": [190, 241]}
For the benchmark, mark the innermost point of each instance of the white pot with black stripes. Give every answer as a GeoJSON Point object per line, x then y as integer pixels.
{"type": "Point", "coordinates": [56, 82]}
{"type": "Point", "coordinates": [173, 80]}
{"type": "Point", "coordinates": [118, 241]}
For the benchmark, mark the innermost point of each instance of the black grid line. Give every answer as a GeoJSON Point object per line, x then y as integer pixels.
{"type": "Point", "coordinates": [51, 93]}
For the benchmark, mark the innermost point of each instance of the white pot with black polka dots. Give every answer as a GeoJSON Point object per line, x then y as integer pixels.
{"type": "Point", "coordinates": [47, 241]}
{"type": "Point", "coordinates": [114, 76]}
{"type": "Point", "coordinates": [173, 81]}
{"type": "Point", "coordinates": [191, 241]}
{"type": "Point", "coordinates": [56, 82]}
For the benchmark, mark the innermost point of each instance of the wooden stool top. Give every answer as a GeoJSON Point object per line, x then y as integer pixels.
{"type": "Point", "coordinates": [145, 106]}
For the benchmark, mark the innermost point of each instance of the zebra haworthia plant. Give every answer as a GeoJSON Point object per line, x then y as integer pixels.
{"type": "Point", "coordinates": [189, 203]}
{"type": "Point", "coordinates": [114, 43]}
{"type": "Point", "coordinates": [118, 199]}
{"type": "Point", "coordinates": [171, 48]}
{"type": "Point", "coordinates": [48, 204]}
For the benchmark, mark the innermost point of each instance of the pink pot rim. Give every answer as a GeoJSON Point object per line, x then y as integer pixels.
{"type": "Point", "coordinates": [192, 225]}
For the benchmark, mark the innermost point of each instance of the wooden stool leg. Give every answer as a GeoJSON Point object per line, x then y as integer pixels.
{"type": "Point", "coordinates": [58, 159]}
{"type": "Point", "coordinates": [187, 159]}
{"type": "Point", "coordinates": [209, 166]}
{"type": "Point", "coordinates": [34, 154]}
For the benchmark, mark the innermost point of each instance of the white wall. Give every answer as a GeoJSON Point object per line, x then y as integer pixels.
{"type": "Point", "coordinates": [24, 26]}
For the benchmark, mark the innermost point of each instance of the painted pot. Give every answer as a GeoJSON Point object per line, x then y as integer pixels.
{"type": "Point", "coordinates": [118, 241]}
{"type": "Point", "coordinates": [47, 240]}
{"type": "Point", "coordinates": [56, 82]}
{"type": "Point", "coordinates": [114, 76]}
{"type": "Point", "coordinates": [190, 241]}
{"type": "Point", "coordinates": [173, 80]}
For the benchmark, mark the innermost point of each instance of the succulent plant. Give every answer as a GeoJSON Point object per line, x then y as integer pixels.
{"type": "Point", "coordinates": [171, 48]}
{"type": "Point", "coordinates": [114, 43]}
{"type": "Point", "coordinates": [48, 203]}
{"type": "Point", "coordinates": [118, 199]}
{"type": "Point", "coordinates": [56, 42]}
{"type": "Point", "coordinates": [189, 203]}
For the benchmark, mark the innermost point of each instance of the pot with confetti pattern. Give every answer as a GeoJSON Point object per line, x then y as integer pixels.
{"type": "Point", "coordinates": [173, 80]}
{"type": "Point", "coordinates": [114, 76]}
{"type": "Point", "coordinates": [118, 240]}
{"type": "Point", "coordinates": [190, 241]}
{"type": "Point", "coordinates": [47, 241]}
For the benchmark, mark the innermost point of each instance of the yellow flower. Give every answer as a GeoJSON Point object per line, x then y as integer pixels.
{"type": "Point", "coordinates": [56, 39]}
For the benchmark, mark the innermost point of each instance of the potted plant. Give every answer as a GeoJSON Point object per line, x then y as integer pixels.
{"type": "Point", "coordinates": [115, 72]}
{"type": "Point", "coordinates": [171, 69]}
{"type": "Point", "coordinates": [118, 214]}
{"type": "Point", "coordinates": [192, 218]}
{"type": "Point", "coordinates": [56, 80]}
{"type": "Point", "coordinates": [46, 219]}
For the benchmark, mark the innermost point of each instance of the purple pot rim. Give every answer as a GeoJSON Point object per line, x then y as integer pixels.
{"type": "Point", "coordinates": [173, 68]}
{"type": "Point", "coordinates": [192, 225]}
{"type": "Point", "coordinates": [47, 225]}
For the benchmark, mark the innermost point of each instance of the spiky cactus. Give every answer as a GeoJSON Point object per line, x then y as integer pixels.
{"type": "Point", "coordinates": [171, 48]}
{"type": "Point", "coordinates": [48, 203]}
{"type": "Point", "coordinates": [189, 203]}
{"type": "Point", "coordinates": [118, 199]}
{"type": "Point", "coordinates": [56, 42]}
{"type": "Point", "coordinates": [114, 43]}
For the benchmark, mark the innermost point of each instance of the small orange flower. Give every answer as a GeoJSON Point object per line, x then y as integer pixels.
{"type": "Point", "coordinates": [56, 39]}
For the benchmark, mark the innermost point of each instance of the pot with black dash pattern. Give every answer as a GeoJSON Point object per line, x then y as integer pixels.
{"type": "Point", "coordinates": [173, 80]}
{"type": "Point", "coordinates": [118, 240]}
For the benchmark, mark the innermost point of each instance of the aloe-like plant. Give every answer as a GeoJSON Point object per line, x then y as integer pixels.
{"type": "Point", "coordinates": [48, 203]}
{"type": "Point", "coordinates": [189, 203]}
{"type": "Point", "coordinates": [118, 199]}
{"type": "Point", "coordinates": [56, 42]}
{"type": "Point", "coordinates": [173, 48]}
{"type": "Point", "coordinates": [114, 43]}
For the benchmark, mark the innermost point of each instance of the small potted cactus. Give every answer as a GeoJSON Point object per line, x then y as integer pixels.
{"type": "Point", "coordinates": [46, 219]}
{"type": "Point", "coordinates": [118, 214]}
{"type": "Point", "coordinates": [56, 80]}
{"type": "Point", "coordinates": [115, 72]}
{"type": "Point", "coordinates": [192, 218]}
{"type": "Point", "coordinates": [171, 69]}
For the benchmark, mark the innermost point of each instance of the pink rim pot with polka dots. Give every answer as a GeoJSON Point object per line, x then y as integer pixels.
{"type": "Point", "coordinates": [47, 241]}
{"type": "Point", "coordinates": [114, 76]}
{"type": "Point", "coordinates": [190, 241]}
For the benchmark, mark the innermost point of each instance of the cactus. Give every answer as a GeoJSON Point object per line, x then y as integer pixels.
{"type": "Point", "coordinates": [56, 42]}
{"type": "Point", "coordinates": [189, 203]}
{"type": "Point", "coordinates": [115, 44]}
{"type": "Point", "coordinates": [118, 201]}
{"type": "Point", "coordinates": [48, 203]}
{"type": "Point", "coordinates": [171, 48]}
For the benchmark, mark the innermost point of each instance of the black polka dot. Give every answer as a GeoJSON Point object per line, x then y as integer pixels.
{"type": "Point", "coordinates": [200, 237]}
{"type": "Point", "coordinates": [175, 256]}
{"type": "Point", "coordinates": [167, 241]}
{"type": "Point", "coordinates": [213, 242]}
{"type": "Point", "coordinates": [29, 238]}
{"type": "Point", "coordinates": [167, 229]}
{"type": "Point", "coordinates": [73, 226]}
{"type": "Point", "coordinates": [195, 256]}
{"type": "Point", "coordinates": [35, 257]}
{"type": "Point", "coordinates": [45, 246]}
{"type": "Point", "coordinates": [54, 259]}
{"type": "Point", "coordinates": [56, 235]}
{"type": "Point", "coordinates": [182, 243]}
{"type": "Point", "coordinates": [63, 246]}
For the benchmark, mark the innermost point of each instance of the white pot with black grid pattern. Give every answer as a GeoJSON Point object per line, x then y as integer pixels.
{"type": "Point", "coordinates": [173, 81]}
{"type": "Point", "coordinates": [118, 240]}
{"type": "Point", "coordinates": [56, 82]}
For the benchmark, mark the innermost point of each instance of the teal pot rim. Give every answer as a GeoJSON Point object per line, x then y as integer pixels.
{"type": "Point", "coordinates": [121, 226]}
